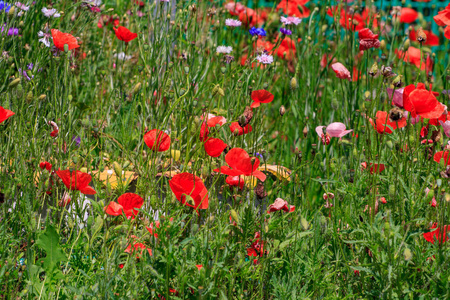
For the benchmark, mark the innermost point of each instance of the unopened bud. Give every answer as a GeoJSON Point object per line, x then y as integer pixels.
{"type": "Point", "coordinates": [66, 48]}
{"type": "Point", "coordinates": [383, 45]}
{"type": "Point", "coordinates": [421, 36]}
{"type": "Point", "coordinates": [406, 44]}
{"type": "Point", "coordinates": [293, 83]}
{"type": "Point", "coordinates": [42, 97]}
{"type": "Point", "coordinates": [14, 83]}
{"type": "Point", "coordinates": [373, 70]}
{"type": "Point", "coordinates": [117, 169]}
{"type": "Point", "coordinates": [282, 110]}
{"type": "Point", "coordinates": [136, 88]}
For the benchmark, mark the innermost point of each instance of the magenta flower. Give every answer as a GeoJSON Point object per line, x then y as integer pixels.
{"type": "Point", "coordinates": [446, 126]}
{"type": "Point", "coordinates": [335, 129]}
{"type": "Point", "coordinates": [397, 99]}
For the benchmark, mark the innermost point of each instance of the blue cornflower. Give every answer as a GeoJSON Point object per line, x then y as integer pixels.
{"type": "Point", "coordinates": [257, 31]}
{"type": "Point", "coordinates": [4, 6]}
{"type": "Point", "coordinates": [285, 31]}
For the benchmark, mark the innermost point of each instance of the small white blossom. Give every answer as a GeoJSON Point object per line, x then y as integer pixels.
{"type": "Point", "coordinates": [45, 38]}
{"type": "Point", "coordinates": [265, 59]}
{"type": "Point", "coordinates": [224, 49]}
{"type": "Point", "coordinates": [233, 23]}
{"type": "Point", "coordinates": [51, 13]}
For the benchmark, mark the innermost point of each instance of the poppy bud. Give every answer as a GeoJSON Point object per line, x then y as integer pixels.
{"type": "Point", "coordinates": [421, 36]}
{"type": "Point", "coordinates": [223, 70]}
{"type": "Point", "coordinates": [390, 144]}
{"type": "Point", "coordinates": [218, 90]}
{"type": "Point", "coordinates": [334, 103]}
{"type": "Point", "coordinates": [246, 117]}
{"type": "Point", "coordinates": [429, 196]}
{"type": "Point", "coordinates": [305, 131]}
{"type": "Point", "coordinates": [136, 88]}
{"type": "Point", "coordinates": [117, 169]}
{"type": "Point", "coordinates": [374, 69]}
{"type": "Point", "coordinates": [282, 110]}
{"type": "Point", "coordinates": [382, 44]}
{"type": "Point", "coordinates": [265, 85]}
{"type": "Point", "coordinates": [397, 82]}
{"type": "Point", "coordinates": [70, 98]}
{"type": "Point", "coordinates": [234, 215]}
{"type": "Point", "coordinates": [186, 70]}
{"type": "Point", "coordinates": [29, 96]}
{"type": "Point", "coordinates": [407, 253]}
{"type": "Point", "coordinates": [406, 44]}
{"type": "Point", "coordinates": [11, 11]}
{"type": "Point", "coordinates": [66, 48]}
{"type": "Point", "coordinates": [42, 97]}
{"type": "Point", "coordinates": [293, 83]}
{"type": "Point", "coordinates": [14, 83]}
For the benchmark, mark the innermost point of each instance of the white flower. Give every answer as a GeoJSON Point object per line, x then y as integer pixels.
{"type": "Point", "coordinates": [290, 20]}
{"type": "Point", "coordinates": [122, 56]}
{"type": "Point", "coordinates": [265, 59]}
{"type": "Point", "coordinates": [233, 23]}
{"type": "Point", "coordinates": [51, 13]}
{"type": "Point", "coordinates": [45, 38]}
{"type": "Point", "coordinates": [224, 49]}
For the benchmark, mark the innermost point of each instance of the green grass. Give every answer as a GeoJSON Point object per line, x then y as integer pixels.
{"type": "Point", "coordinates": [358, 248]}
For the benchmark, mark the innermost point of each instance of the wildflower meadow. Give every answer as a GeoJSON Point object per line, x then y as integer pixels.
{"type": "Point", "coordinates": [169, 149]}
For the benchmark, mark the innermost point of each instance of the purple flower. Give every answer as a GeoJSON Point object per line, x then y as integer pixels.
{"type": "Point", "coordinates": [77, 140]}
{"type": "Point", "coordinates": [13, 31]}
{"type": "Point", "coordinates": [257, 31]}
{"type": "Point", "coordinates": [233, 23]}
{"type": "Point", "coordinates": [24, 73]}
{"type": "Point", "coordinates": [30, 66]}
{"type": "Point", "coordinates": [285, 31]}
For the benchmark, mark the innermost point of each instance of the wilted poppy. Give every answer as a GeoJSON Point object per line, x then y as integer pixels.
{"type": "Point", "coordinates": [408, 15]}
{"type": "Point", "coordinates": [335, 129]}
{"type": "Point", "coordinates": [237, 129]}
{"type": "Point", "coordinates": [60, 39]}
{"type": "Point", "coordinates": [432, 39]}
{"type": "Point", "coordinates": [187, 184]}
{"type": "Point", "coordinates": [127, 204]}
{"type": "Point", "coordinates": [367, 39]}
{"type": "Point", "coordinates": [5, 114]}
{"type": "Point", "coordinates": [214, 147]}
{"type": "Point", "coordinates": [280, 204]}
{"type": "Point", "coordinates": [374, 168]}
{"type": "Point", "coordinates": [235, 181]}
{"type": "Point", "coordinates": [341, 71]}
{"type": "Point", "coordinates": [261, 96]}
{"type": "Point", "coordinates": [241, 164]}
{"type": "Point", "coordinates": [420, 101]}
{"type": "Point", "coordinates": [124, 34]}
{"type": "Point", "coordinates": [157, 140]}
{"type": "Point", "coordinates": [442, 155]}
{"type": "Point", "coordinates": [76, 180]}
{"type": "Point", "coordinates": [397, 97]}
{"type": "Point", "coordinates": [383, 124]}
{"type": "Point", "coordinates": [440, 234]}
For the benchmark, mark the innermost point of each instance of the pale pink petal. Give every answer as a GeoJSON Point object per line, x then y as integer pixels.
{"type": "Point", "coordinates": [319, 130]}
{"type": "Point", "coordinates": [446, 127]}
{"type": "Point", "coordinates": [341, 71]}
{"type": "Point", "coordinates": [335, 129]}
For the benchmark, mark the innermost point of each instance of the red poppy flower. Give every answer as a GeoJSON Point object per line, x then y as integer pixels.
{"type": "Point", "coordinates": [351, 21]}
{"type": "Point", "coordinates": [188, 184]}
{"type": "Point", "coordinates": [199, 267]}
{"type": "Point", "coordinates": [408, 15]}
{"type": "Point", "coordinates": [367, 39]}
{"type": "Point", "coordinates": [374, 168]}
{"type": "Point", "coordinates": [157, 140]}
{"type": "Point", "coordinates": [124, 34]}
{"type": "Point", "coordinates": [211, 121]}
{"type": "Point", "coordinates": [412, 56]}
{"type": "Point", "coordinates": [241, 164]}
{"type": "Point", "coordinates": [76, 180]}
{"type": "Point", "coordinates": [442, 155]}
{"type": "Point", "coordinates": [447, 32]}
{"type": "Point", "coordinates": [261, 96]}
{"type": "Point", "coordinates": [280, 204]}
{"type": "Point", "coordinates": [443, 17]}
{"type": "Point", "coordinates": [440, 234]}
{"type": "Point", "coordinates": [419, 101]}
{"type": "Point", "coordinates": [383, 124]}
{"type": "Point", "coordinates": [432, 39]}
{"type": "Point", "coordinates": [127, 204]}
{"type": "Point", "coordinates": [214, 147]}
{"type": "Point", "coordinates": [251, 17]}
{"type": "Point", "coordinates": [60, 39]}
{"type": "Point", "coordinates": [5, 114]}
{"type": "Point", "coordinates": [286, 49]}
{"type": "Point", "coordinates": [341, 71]}
{"type": "Point", "coordinates": [45, 165]}
{"type": "Point", "coordinates": [235, 181]}
{"type": "Point", "coordinates": [295, 8]}
{"type": "Point", "coordinates": [236, 128]}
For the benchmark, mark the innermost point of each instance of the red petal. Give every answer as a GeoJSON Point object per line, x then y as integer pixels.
{"type": "Point", "coordinates": [130, 202]}
{"type": "Point", "coordinates": [5, 114]}
{"type": "Point", "coordinates": [189, 184]}
{"type": "Point", "coordinates": [60, 39]}
{"type": "Point", "coordinates": [113, 209]}
{"type": "Point", "coordinates": [160, 144]}
{"type": "Point", "coordinates": [214, 147]}
{"type": "Point", "coordinates": [262, 96]}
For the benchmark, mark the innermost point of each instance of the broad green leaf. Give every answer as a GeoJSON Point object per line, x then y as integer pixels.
{"type": "Point", "coordinates": [49, 242]}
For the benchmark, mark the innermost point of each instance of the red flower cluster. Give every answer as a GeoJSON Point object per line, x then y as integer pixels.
{"type": "Point", "coordinates": [354, 21]}
{"type": "Point", "coordinates": [45, 165]}
{"type": "Point", "coordinates": [295, 8]}
{"type": "Point", "coordinates": [374, 168]}
{"type": "Point", "coordinates": [440, 234]}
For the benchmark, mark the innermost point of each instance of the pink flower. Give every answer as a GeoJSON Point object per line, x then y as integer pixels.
{"type": "Point", "coordinates": [335, 129]}
{"type": "Point", "coordinates": [397, 99]}
{"type": "Point", "coordinates": [280, 204]}
{"type": "Point", "coordinates": [233, 23]}
{"type": "Point", "coordinates": [446, 126]}
{"type": "Point", "coordinates": [290, 20]}
{"type": "Point", "coordinates": [341, 71]}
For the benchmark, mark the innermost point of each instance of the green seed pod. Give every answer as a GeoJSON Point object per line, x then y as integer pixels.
{"type": "Point", "coordinates": [117, 169]}
{"type": "Point", "coordinates": [186, 70]}
{"type": "Point", "coordinates": [66, 48]}
{"type": "Point", "coordinates": [390, 144]}
{"type": "Point", "coordinates": [14, 83]}
{"type": "Point", "coordinates": [29, 96]}
{"type": "Point", "coordinates": [374, 69]}
{"type": "Point", "coordinates": [234, 216]}
{"type": "Point", "coordinates": [136, 88]}
{"type": "Point", "coordinates": [406, 44]}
